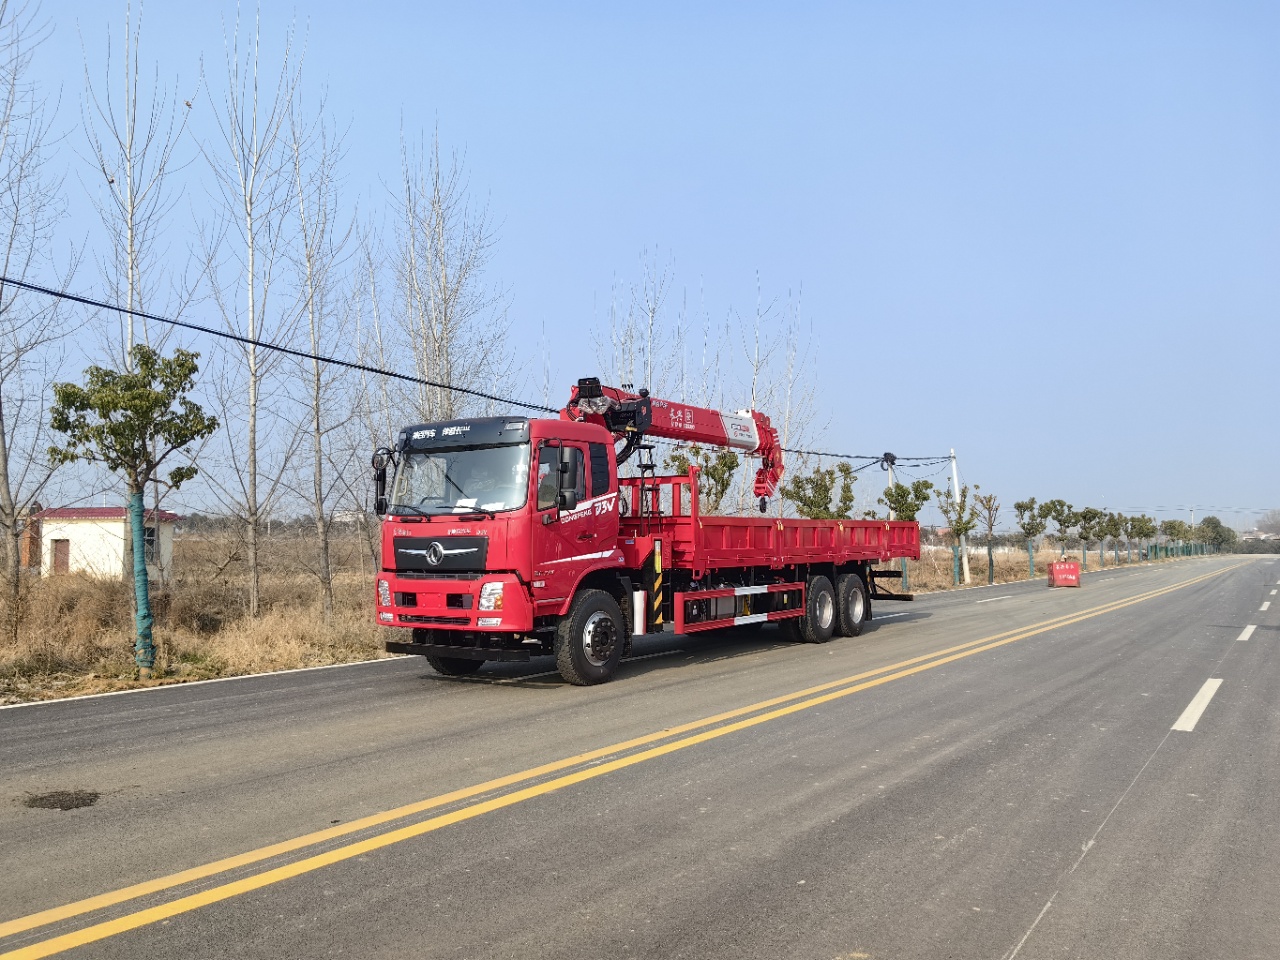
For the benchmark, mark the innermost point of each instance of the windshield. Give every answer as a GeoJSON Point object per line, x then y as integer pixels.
{"type": "Point", "coordinates": [462, 481]}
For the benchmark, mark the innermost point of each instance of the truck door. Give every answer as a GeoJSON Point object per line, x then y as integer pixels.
{"type": "Point", "coordinates": [569, 542]}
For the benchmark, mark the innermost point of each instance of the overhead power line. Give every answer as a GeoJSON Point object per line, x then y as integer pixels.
{"type": "Point", "coordinates": [267, 345]}
{"type": "Point", "coordinates": [365, 368]}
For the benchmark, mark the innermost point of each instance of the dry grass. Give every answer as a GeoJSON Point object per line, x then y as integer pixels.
{"type": "Point", "coordinates": [76, 634]}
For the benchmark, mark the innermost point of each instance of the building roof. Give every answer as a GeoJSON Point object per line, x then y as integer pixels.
{"type": "Point", "coordinates": [100, 513]}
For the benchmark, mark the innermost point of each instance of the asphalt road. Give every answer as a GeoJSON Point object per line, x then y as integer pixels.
{"type": "Point", "coordinates": [991, 773]}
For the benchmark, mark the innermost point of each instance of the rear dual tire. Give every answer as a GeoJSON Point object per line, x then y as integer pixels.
{"type": "Point", "coordinates": [842, 611]}
{"type": "Point", "coordinates": [818, 625]}
{"type": "Point", "coordinates": [852, 604]}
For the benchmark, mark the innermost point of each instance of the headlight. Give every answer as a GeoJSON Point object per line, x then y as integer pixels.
{"type": "Point", "coordinates": [491, 596]}
{"type": "Point", "coordinates": [384, 593]}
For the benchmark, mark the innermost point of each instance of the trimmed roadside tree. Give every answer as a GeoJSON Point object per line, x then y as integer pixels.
{"type": "Point", "coordinates": [905, 503]}
{"type": "Point", "coordinates": [1089, 522]}
{"type": "Point", "coordinates": [813, 495]}
{"type": "Point", "coordinates": [962, 518]}
{"type": "Point", "coordinates": [1031, 521]}
{"type": "Point", "coordinates": [1062, 514]}
{"type": "Point", "coordinates": [1112, 528]}
{"type": "Point", "coordinates": [1141, 528]}
{"type": "Point", "coordinates": [131, 422]}
{"type": "Point", "coordinates": [716, 468]}
{"type": "Point", "coordinates": [1178, 531]}
{"type": "Point", "coordinates": [988, 507]}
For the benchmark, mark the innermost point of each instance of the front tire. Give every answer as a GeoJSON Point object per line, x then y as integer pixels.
{"type": "Point", "coordinates": [852, 604]}
{"type": "Point", "coordinates": [453, 666]}
{"type": "Point", "coordinates": [590, 640]}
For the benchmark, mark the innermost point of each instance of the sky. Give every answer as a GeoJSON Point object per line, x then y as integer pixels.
{"type": "Point", "coordinates": [1043, 235]}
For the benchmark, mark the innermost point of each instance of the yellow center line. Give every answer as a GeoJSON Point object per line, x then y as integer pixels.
{"type": "Point", "coordinates": [805, 699]}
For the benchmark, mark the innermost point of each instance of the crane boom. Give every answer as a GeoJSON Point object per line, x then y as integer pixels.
{"type": "Point", "coordinates": [632, 416]}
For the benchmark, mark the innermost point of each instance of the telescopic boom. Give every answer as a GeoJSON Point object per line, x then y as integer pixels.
{"type": "Point", "coordinates": [630, 417]}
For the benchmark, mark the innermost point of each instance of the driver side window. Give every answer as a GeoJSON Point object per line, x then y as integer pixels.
{"type": "Point", "coordinates": [547, 459]}
{"type": "Point", "coordinates": [549, 474]}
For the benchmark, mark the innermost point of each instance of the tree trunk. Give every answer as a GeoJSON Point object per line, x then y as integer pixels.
{"type": "Point", "coordinates": [326, 569]}
{"type": "Point", "coordinates": [144, 651]}
{"type": "Point", "coordinates": [12, 582]}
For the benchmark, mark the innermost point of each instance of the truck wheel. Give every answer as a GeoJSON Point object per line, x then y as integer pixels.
{"type": "Point", "coordinates": [819, 621]}
{"type": "Point", "coordinates": [852, 605]}
{"type": "Point", "coordinates": [453, 666]}
{"type": "Point", "coordinates": [590, 639]}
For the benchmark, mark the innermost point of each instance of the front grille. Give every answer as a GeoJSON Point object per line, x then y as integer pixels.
{"type": "Point", "coordinates": [419, 575]}
{"type": "Point", "coordinates": [436, 621]}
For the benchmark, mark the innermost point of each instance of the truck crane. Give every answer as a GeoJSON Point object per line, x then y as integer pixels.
{"type": "Point", "coordinates": [506, 538]}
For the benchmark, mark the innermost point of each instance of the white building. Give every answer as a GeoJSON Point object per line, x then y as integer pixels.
{"type": "Point", "coordinates": [92, 540]}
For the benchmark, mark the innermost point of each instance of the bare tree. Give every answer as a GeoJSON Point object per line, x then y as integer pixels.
{"type": "Point", "coordinates": [30, 327]}
{"type": "Point", "coordinates": [316, 152]}
{"type": "Point", "coordinates": [254, 173]}
{"type": "Point", "coordinates": [644, 349]}
{"type": "Point", "coordinates": [132, 136]}
{"type": "Point", "coordinates": [449, 321]}
{"type": "Point", "coordinates": [987, 506]}
{"type": "Point", "coordinates": [1269, 522]}
{"type": "Point", "coordinates": [376, 414]}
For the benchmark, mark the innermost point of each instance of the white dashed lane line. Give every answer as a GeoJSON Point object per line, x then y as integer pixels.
{"type": "Point", "coordinates": [994, 599]}
{"type": "Point", "coordinates": [1265, 605]}
{"type": "Point", "coordinates": [1191, 716]}
{"type": "Point", "coordinates": [1245, 634]}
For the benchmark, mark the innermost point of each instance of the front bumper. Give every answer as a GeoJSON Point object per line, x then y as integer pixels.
{"type": "Point", "coordinates": [451, 604]}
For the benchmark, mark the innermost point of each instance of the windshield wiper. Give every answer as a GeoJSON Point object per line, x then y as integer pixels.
{"type": "Point", "coordinates": [475, 513]}
{"type": "Point", "coordinates": [396, 510]}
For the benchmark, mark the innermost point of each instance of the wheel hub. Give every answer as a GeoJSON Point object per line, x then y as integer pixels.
{"type": "Point", "coordinates": [599, 639]}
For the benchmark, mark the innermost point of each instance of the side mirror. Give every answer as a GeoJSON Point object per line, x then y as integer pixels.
{"type": "Point", "coordinates": [568, 500]}
{"type": "Point", "coordinates": [382, 458]}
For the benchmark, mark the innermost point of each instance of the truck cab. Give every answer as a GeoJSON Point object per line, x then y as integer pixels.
{"type": "Point", "coordinates": [490, 527]}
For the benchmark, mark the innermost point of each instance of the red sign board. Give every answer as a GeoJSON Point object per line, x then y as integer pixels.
{"type": "Point", "coordinates": [1064, 573]}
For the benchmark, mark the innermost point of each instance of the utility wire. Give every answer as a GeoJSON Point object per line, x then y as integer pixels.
{"type": "Point", "coordinates": [302, 354]}
{"type": "Point", "coordinates": [349, 365]}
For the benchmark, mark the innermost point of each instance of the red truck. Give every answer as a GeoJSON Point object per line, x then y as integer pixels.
{"type": "Point", "coordinates": [505, 538]}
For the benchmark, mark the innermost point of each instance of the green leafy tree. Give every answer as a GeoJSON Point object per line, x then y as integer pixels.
{"type": "Point", "coordinates": [716, 468]}
{"type": "Point", "coordinates": [1031, 523]}
{"type": "Point", "coordinates": [1176, 530]}
{"type": "Point", "coordinates": [1112, 528]}
{"type": "Point", "coordinates": [906, 502]}
{"type": "Point", "coordinates": [1214, 532]}
{"type": "Point", "coordinates": [131, 422]}
{"type": "Point", "coordinates": [1141, 528]}
{"type": "Point", "coordinates": [1088, 523]}
{"type": "Point", "coordinates": [813, 495]}
{"type": "Point", "coordinates": [1064, 517]}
